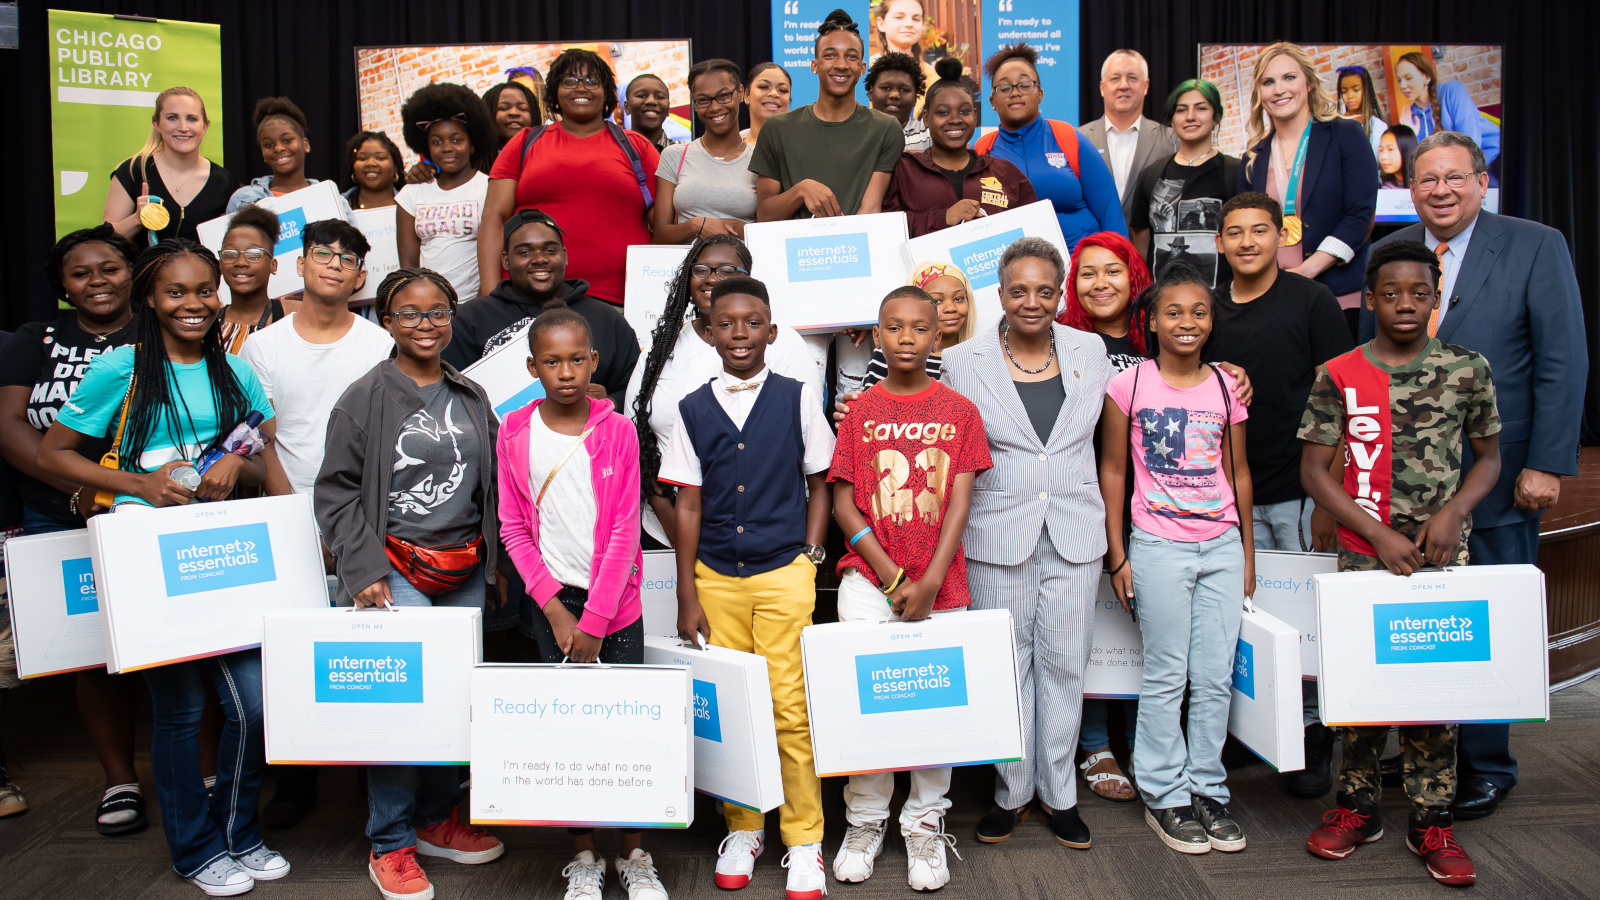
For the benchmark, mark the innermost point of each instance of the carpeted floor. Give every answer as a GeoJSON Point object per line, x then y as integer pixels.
{"type": "Point", "coordinates": [1544, 843]}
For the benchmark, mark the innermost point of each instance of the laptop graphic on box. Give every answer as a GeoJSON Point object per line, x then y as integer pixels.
{"type": "Point", "coordinates": [368, 692]}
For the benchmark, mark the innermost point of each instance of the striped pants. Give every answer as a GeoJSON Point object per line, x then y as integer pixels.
{"type": "Point", "coordinates": [1052, 617]}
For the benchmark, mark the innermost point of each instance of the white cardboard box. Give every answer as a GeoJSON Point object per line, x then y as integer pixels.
{"type": "Point", "coordinates": [976, 246]}
{"type": "Point", "coordinates": [379, 228]}
{"type": "Point", "coordinates": [735, 740]}
{"type": "Point", "coordinates": [887, 696]}
{"type": "Point", "coordinates": [55, 617]}
{"type": "Point", "coordinates": [829, 274]}
{"type": "Point", "coordinates": [184, 582]}
{"type": "Point", "coordinates": [645, 286]}
{"type": "Point", "coordinates": [1116, 656]}
{"type": "Point", "coordinates": [1454, 645]}
{"type": "Point", "coordinates": [582, 746]}
{"type": "Point", "coordinates": [295, 210]}
{"type": "Point", "coordinates": [1284, 587]}
{"type": "Point", "coordinates": [1266, 711]}
{"type": "Point", "coordinates": [370, 686]}
{"type": "Point", "coordinates": [658, 593]}
{"type": "Point", "coordinates": [504, 376]}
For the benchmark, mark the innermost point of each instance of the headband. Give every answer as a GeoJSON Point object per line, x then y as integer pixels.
{"type": "Point", "coordinates": [458, 117]}
{"type": "Point", "coordinates": [927, 274]}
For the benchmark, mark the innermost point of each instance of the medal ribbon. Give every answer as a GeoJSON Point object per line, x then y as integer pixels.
{"type": "Point", "coordinates": [1293, 189]}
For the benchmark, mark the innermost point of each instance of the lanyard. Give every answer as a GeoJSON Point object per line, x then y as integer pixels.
{"type": "Point", "coordinates": [1293, 188]}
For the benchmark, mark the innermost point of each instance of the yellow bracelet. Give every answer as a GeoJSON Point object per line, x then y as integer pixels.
{"type": "Point", "coordinates": [896, 582]}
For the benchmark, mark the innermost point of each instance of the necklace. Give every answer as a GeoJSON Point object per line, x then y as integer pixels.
{"type": "Point", "coordinates": [1005, 340]}
{"type": "Point", "coordinates": [1184, 160]}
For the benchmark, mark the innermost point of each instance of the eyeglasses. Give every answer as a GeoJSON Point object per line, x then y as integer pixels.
{"type": "Point", "coordinates": [703, 102]}
{"type": "Point", "coordinates": [254, 254]}
{"type": "Point", "coordinates": [571, 82]}
{"type": "Point", "coordinates": [1456, 181]}
{"type": "Point", "coordinates": [701, 270]}
{"type": "Point", "coordinates": [410, 318]}
{"type": "Point", "coordinates": [1022, 87]}
{"type": "Point", "coordinates": [323, 256]}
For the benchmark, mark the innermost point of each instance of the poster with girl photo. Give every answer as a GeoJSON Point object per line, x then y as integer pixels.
{"type": "Point", "coordinates": [927, 31]}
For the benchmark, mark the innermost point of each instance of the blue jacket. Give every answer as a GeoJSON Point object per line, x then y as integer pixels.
{"type": "Point", "coordinates": [1340, 190]}
{"type": "Point", "coordinates": [1084, 205]}
{"type": "Point", "coordinates": [1519, 306]}
{"type": "Point", "coordinates": [1459, 114]}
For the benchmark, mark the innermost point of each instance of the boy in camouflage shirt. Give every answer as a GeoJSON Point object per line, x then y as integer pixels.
{"type": "Point", "coordinates": [1401, 405]}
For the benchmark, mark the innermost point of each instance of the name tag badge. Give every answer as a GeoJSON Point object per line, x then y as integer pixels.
{"type": "Point", "coordinates": [1057, 160]}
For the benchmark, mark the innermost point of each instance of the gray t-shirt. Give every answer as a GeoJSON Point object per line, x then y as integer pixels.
{"type": "Point", "coordinates": [433, 492]}
{"type": "Point", "coordinates": [707, 186]}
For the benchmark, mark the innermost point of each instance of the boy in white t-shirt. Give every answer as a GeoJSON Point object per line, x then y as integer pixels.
{"type": "Point", "coordinates": [436, 225]}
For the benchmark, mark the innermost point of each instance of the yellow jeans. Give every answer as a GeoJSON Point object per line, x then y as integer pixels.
{"type": "Point", "coordinates": [763, 614]}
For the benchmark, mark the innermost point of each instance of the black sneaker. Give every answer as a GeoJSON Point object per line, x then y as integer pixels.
{"type": "Point", "coordinates": [1316, 779]}
{"type": "Point", "coordinates": [1223, 832]}
{"type": "Point", "coordinates": [1179, 829]}
{"type": "Point", "coordinates": [998, 823]}
{"type": "Point", "coordinates": [1392, 771]}
{"type": "Point", "coordinates": [1069, 829]}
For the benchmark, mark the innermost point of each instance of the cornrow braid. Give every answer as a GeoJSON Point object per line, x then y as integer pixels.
{"type": "Point", "coordinates": [396, 281]}
{"type": "Point", "coordinates": [680, 300]}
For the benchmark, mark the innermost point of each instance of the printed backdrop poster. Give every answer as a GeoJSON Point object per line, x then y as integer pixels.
{"type": "Point", "coordinates": [105, 74]}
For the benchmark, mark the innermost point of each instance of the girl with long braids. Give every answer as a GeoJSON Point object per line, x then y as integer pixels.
{"type": "Point", "coordinates": [682, 358]}
{"type": "Point", "coordinates": [181, 391]}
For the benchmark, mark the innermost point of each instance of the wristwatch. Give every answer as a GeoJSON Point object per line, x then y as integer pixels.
{"type": "Point", "coordinates": [815, 553]}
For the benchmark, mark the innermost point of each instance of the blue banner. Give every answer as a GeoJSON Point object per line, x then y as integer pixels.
{"type": "Point", "coordinates": [794, 40]}
{"type": "Point", "coordinates": [215, 558]}
{"type": "Point", "coordinates": [827, 257]}
{"type": "Point", "coordinates": [1050, 27]}
{"type": "Point", "coordinates": [911, 679]}
{"type": "Point", "coordinates": [981, 258]}
{"type": "Point", "coordinates": [368, 671]}
{"type": "Point", "coordinates": [1244, 669]}
{"type": "Point", "coordinates": [1443, 631]}
{"type": "Point", "coordinates": [707, 722]}
{"type": "Point", "coordinates": [77, 579]}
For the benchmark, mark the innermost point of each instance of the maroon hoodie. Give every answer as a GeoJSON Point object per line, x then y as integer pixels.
{"type": "Point", "coordinates": [922, 190]}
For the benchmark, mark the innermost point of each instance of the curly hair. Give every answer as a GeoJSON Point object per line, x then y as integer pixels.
{"type": "Point", "coordinates": [573, 61]}
{"type": "Point", "coordinates": [446, 100]}
{"type": "Point", "coordinates": [1031, 248]}
{"type": "Point", "coordinates": [1073, 313]}
{"type": "Point", "coordinates": [268, 108]}
{"type": "Point", "coordinates": [56, 263]}
{"type": "Point", "coordinates": [1021, 50]}
{"type": "Point", "coordinates": [898, 62]}
{"type": "Point", "coordinates": [353, 146]}
{"type": "Point", "coordinates": [257, 217]}
{"type": "Point", "coordinates": [949, 70]}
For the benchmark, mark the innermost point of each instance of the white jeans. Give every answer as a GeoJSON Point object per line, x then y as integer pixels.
{"type": "Point", "coordinates": [850, 359]}
{"type": "Point", "coordinates": [867, 796]}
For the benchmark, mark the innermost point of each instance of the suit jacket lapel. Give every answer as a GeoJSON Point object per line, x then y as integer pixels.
{"type": "Point", "coordinates": [996, 376]}
{"type": "Point", "coordinates": [1095, 132]}
{"type": "Point", "coordinates": [1321, 136]}
{"type": "Point", "coordinates": [1475, 269]}
{"type": "Point", "coordinates": [1144, 151]}
{"type": "Point", "coordinates": [1071, 383]}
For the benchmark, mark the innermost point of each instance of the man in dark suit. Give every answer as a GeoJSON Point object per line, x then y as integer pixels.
{"type": "Point", "coordinates": [1127, 141]}
{"type": "Point", "coordinates": [1508, 292]}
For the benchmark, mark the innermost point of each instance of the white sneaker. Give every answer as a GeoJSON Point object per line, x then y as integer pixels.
{"type": "Point", "coordinates": [736, 858]}
{"type": "Point", "coordinates": [223, 878]}
{"type": "Point", "coordinates": [806, 878]}
{"type": "Point", "coordinates": [863, 844]}
{"type": "Point", "coordinates": [638, 875]}
{"type": "Point", "coordinates": [586, 877]}
{"type": "Point", "coordinates": [926, 869]}
{"type": "Point", "coordinates": [264, 864]}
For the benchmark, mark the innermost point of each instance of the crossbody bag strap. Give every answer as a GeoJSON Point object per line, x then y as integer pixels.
{"type": "Point", "coordinates": [122, 421]}
{"type": "Point", "coordinates": [559, 463]}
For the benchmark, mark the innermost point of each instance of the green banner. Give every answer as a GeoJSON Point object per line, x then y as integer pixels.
{"type": "Point", "coordinates": [105, 74]}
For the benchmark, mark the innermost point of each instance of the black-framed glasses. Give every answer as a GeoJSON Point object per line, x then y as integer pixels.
{"type": "Point", "coordinates": [701, 270]}
{"type": "Point", "coordinates": [254, 254]}
{"type": "Point", "coordinates": [323, 256]}
{"type": "Point", "coordinates": [724, 98]}
{"type": "Point", "coordinates": [571, 82]}
{"type": "Point", "coordinates": [1006, 90]}
{"type": "Point", "coordinates": [411, 318]}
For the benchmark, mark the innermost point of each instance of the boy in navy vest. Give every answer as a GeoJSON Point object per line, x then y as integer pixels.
{"type": "Point", "coordinates": [750, 455]}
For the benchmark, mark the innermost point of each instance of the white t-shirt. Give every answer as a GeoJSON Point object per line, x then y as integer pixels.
{"type": "Point", "coordinates": [567, 515]}
{"type": "Point", "coordinates": [304, 381]}
{"type": "Point", "coordinates": [447, 225]}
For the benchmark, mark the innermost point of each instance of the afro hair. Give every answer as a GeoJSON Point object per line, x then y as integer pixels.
{"type": "Point", "coordinates": [447, 101]}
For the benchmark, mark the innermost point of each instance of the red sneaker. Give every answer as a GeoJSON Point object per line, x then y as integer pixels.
{"type": "Point", "coordinates": [1432, 838]}
{"type": "Point", "coordinates": [1344, 828]}
{"type": "Point", "coordinates": [460, 843]}
{"type": "Point", "coordinates": [398, 876]}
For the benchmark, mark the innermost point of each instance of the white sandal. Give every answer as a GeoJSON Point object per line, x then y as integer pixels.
{"type": "Point", "coordinates": [1094, 759]}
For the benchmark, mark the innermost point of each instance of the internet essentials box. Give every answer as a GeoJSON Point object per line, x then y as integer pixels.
{"type": "Point", "coordinates": [1116, 655]}
{"type": "Point", "coordinates": [829, 274]}
{"type": "Point", "coordinates": [1284, 587]}
{"type": "Point", "coordinates": [503, 373]}
{"type": "Point", "coordinates": [184, 582]}
{"type": "Point", "coordinates": [1454, 645]}
{"type": "Point", "coordinates": [887, 696]}
{"type": "Point", "coordinates": [582, 746]}
{"type": "Point", "coordinates": [975, 247]}
{"type": "Point", "coordinates": [735, 738]}
{"type": "Point", "coordinates": [370, 686]}
{"type": "Point", "coordinates": [1265, 714]}
{"type": "Point", "coordinates": [55, 616]}
{"type": "Point", "coordinates": [294, 210]}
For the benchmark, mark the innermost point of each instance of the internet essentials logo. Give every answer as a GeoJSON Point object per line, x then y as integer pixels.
{"type": "Point", "coordinates": [981, 258]}
{"type": "Point", "coordinates": [214, 558]}
{"type": "Point", "coordinates": [911, 679]}
{"type": "Point", "coordinates": [827, 257]}
{"type": "Point", "coordinates": [1443, 631]}
{"type": "Point", "coordinates": [368, 671]}
{"type": "Point", "coordinates": [1244, 669]}
{"type": "Point", "coordinates": [77, 581]}
{"type": "Point", "coordinates": [707, 723]}
{"type": "Point", "coordinates": [290, 226]}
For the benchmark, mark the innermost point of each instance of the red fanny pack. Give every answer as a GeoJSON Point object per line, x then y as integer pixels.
{"type": "Point", "coordinates": [434, 570]}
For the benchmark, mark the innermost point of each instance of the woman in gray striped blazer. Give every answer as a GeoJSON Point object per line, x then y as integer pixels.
{"type": "Point", "coordinates": [1036, 534]}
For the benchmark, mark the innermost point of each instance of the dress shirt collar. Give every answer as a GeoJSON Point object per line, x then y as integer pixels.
{"type": "Point", "coordinates": [1458, 244]}
{"type": "Point", "coordinates": [725, 381]}
{"type": "Point", "coordinates": [1112, 129]}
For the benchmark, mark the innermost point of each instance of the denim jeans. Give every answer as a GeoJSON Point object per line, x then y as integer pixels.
{"type": "Point", "coordinates": [1190, 597]}
{"type": "Point", "coordinates": [401, 799]}
{"type": "Point", "coordinates": [35, 522]}
{"type": "Point", "coordinates": [1094, 735]}
{"type": "Point", "coordinates": [1283, 526]}
{"type": "Point", "coordinates": [200, 829]}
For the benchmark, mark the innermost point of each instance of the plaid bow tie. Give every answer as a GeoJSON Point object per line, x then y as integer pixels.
{"type": "Point", "coordinates": [747, 386]}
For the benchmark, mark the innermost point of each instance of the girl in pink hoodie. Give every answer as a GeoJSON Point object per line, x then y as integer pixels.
{"type": "Point", "coordinates": [569, 518]}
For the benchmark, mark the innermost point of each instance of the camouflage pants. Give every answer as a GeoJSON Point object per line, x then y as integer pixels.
{"type": "Point", "coordinates": [1427, 752]}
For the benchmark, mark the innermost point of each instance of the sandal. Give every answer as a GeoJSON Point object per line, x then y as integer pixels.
{"type": "Point", "coordinates": [1108, 785]}
{"type": "Point", "coordinates": [123, 799]}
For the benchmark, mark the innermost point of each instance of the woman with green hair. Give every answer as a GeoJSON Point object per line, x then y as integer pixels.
{"type": "Point", "coordinates": [1179, 197]}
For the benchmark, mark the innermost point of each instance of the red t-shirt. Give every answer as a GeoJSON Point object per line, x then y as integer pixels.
{"type": "Point", "coordinates": [588, 187]}
{"type": "Point", "coordinates": [902, 453]}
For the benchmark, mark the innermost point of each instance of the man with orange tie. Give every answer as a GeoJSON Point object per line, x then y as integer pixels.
{"type": "Point", "coordinates": [1508, 292]}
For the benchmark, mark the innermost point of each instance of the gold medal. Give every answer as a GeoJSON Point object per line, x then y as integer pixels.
{"type": "Point", "coordinates": [1292, 229]}
{"type": "Point", "coordinates": [154, 216]}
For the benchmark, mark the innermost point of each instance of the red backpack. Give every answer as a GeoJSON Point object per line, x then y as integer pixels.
{"type": "Point", "coordinates": [1066, 138]}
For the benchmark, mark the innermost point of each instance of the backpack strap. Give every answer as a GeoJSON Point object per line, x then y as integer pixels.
{"type": "Point", "coordinates": [985, 144]}
{"type": "Point", "coordinates": [621, 137]}
{"type": "Point", "coordinates": [678, 175]}
{"type": "Point", "coordinates": [529, 135]}
{"type": "Point", "coordinates": [1066, 138]}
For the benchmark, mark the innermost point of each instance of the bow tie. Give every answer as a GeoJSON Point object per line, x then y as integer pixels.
{"type": "Point", "coordinates": [747, 386]}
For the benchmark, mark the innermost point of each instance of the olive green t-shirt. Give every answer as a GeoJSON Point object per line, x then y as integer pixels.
{"type": "Point", "coordinates": [796, 145]}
